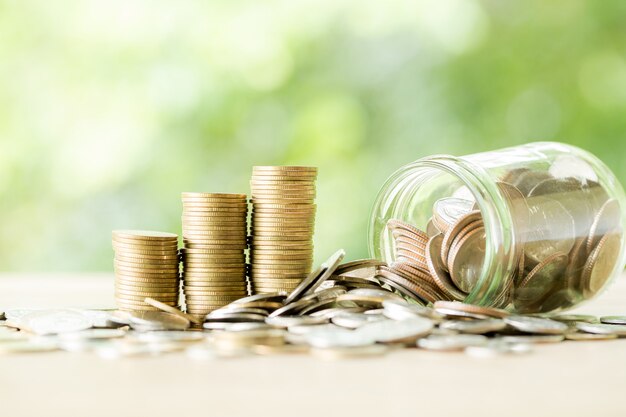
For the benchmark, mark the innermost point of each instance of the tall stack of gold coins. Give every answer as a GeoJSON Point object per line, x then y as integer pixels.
{"type": "Point", "coordinates": [215, 240]}
{"type": "Point", "coordinates": [283, 222]}
{"type": "Point", "coordinates": [146, 265]}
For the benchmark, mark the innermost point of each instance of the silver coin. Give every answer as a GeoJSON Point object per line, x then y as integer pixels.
{"type": "Point", "coordinates": [601, 328]}
{"type": "Point", "coordinates": [538, 325]}
{"type": "Point", "coordinates": [329, 313]}
{"type": "Point", "coordinates": [581, 336]}
{"type": "Point", "coordinates": [400, 310]}
{"type": "Point", "coordinates": [301, 329]}
{"type": "Point", "coordinates": [390, 331]}
{"type": "Point", "coordinates": [315, 279]}
{"type": "Point", "coordinates": [93, 334]}
{"type": "Point", "coordinates": [168, 336]}
{"type": "Point", "coordinates": [326, 293]}
{"type": "Point", "coordinates": [349, 352]}
{"type": "Point", "coordinates": [451, 342]}
{"type": "Point", "coordinates": [28, 346]}
{"type": "Point", "coordinates": [287, 321]}
{"type": "Point", "coordinates": [224, 317]}
{"type": "Point", "coordinates": [613, 319]}
{"type": "Point", "coordinates": [498, 347]}
{"type": "Point", "coordinates": [354, 320]}
{"type": "Point", "coordinates": [551, 229]}
{"type": "Point", "coordinates": [292, 308]}
{"type": "Point", "coordinates": [474, 326]}
{"type": "Point", "coordinates": [533, 338]}
{"type": "Point", "coordinates": [450, 209]}
{"type": "Point", "coordinates": [157, 320]}
{"type": "Point", "coordinates": [236, 327]}
{"type": "Point", "coordinates": [55, 321]}
{"type": "Point", "coordinates": [327, 338]}
{"type": "Point", "coordinates": [572, 318]}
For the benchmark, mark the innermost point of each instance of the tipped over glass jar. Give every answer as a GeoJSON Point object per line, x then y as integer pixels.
{"type": "Point", "coordinates": [534, 228]}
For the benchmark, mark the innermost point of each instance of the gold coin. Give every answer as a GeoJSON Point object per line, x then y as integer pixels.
{"type": "Point", "coordinates": [282, 252]}
{"type": "Point", "coordinates": [144, 235]}
{"type": "Point", "coordinates": [117, 266]}
{"type": "Point", "coordinates": [267, 196]}
{"type": "Point", "coordinates": [145, 253]}
{"type": "Point", "coordinates": [272, 187]}
{"type": "Point", "coordinates": [290, 168]}
{"type": "Point", "coordinates": [140, 275]}
{"type": "Point", "coordinates": [276, 276]}
{"type": "Point", "coordinates": [203, 246]}
{"type": "Point", "coordinates": [206, 210]}
{"type": "Point", "coordinates": [286, 238]}
{"type": "Point", "coordinates": [229, 208]}
{"type": "Point", "coordinates": [219, 196]}
{"type": "Point", "coordinates": [211, 300]}
{"type": "Point", "coordinates": [214, 259]}
{"type": "Point", "coordinates": [150, 249]}
{"type": "Point", "coordinates": [140, 306]}
{"type": "Point", "coordinates": [220, 280]}
{"type": "Point", "coordinates": [240, 227]}
{"type": "Point", "coordinates": [224, 219]}
{"type": "Point", "coordinates": [150, 279]}
{"type": "Point", "coordinates": [215, 203]}
{"type": "Point", "coordinates": [144, 242]}
{"type": "Point", "coordinates": [139, 262]}
{"type": "Point", "coordinates": [260, 258]}
{"type": "Point", "coordinates": [139, 298]}
{"type": "Point", "coordinates": [227, 271]}
{"type": "Point", "coordinates": [144, 274]}
{"type": "Point", "coordinates": [146, 258]}
{"type": "Point", "coordinates": [207, 240]}
{"type": "Point", "coordinates": [224, 286]}
{"type": "Point", "coordinates": [601, 263]}
{"type": "Point", "coordinates": [131, 288]}
{"type": "Point", "coordinates": [208, 295]}
{"type": "Point", "coordinates": [172, 310]}
{"type": "Point", "coordinates": [170, 249]}
{"type": "Point", "coordinates": [139, 266]}
{"type": "Point", "coordinates": [214, 234]}
{"type": "Point", "coordinates": [146, 293]}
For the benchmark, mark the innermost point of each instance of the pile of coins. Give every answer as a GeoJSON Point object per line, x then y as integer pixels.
{"type": "Point", "coordinates": [215, 240]}
{"type": "Point", "coordinates": [146, 265]}
{"type": "Point", "coordinates": [283, 222]}
{"type": "Point", "coordinates": [340, 310]}
{"type": "Point", "coordinates": [568, 236]}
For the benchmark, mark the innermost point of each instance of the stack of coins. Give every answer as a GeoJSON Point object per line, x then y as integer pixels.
{"type": "Point", "coordinates": [283, 221]}
{"type": "Point", "coordinates": [146, 265]}
{"type": "Point", "coordinates": [214, 260]}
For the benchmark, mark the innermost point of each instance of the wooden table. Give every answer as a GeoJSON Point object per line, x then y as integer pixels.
{"type": "Point", "coordinates": [566, 379]}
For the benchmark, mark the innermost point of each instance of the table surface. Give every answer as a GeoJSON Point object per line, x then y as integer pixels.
{"type": "Point", "coordinates": [570, 378]}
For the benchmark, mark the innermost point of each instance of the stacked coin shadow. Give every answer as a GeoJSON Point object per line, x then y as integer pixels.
{"type": "Point", "coordinates": [215, 240]}
{"type": "Point", "coordinates": [568, 239]}
{"type": "Point", "coordinates": [282, 226]}
{"type": "Point", "coordinates": [146, 265]}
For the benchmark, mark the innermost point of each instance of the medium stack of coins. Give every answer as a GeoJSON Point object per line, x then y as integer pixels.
{"type": "Point", "coordinates": [214, 262]}
{"type": "Point", "coordinates": [283, 221]}
{"type": "Point", "coordinates": [146, 265]}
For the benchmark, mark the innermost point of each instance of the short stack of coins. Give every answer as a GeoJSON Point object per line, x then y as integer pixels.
{"type": "Point", "coordinates": [215, 240]}
{"type": "Point", "coordinates": [283, 222]}
{"type": "Point", "coordinates": [146, 265]}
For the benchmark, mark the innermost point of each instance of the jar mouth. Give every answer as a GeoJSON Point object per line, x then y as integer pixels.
{"type": "Point", "coordinates": [500, 241]}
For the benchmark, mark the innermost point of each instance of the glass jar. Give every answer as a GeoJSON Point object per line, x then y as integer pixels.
{"type": "Point", "coordinates": [533, 228]}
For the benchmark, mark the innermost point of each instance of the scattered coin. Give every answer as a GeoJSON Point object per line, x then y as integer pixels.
{"type": "Point", "coordinates": [536, 325]}
{"type": "Point", "coordinates": [612, 320]}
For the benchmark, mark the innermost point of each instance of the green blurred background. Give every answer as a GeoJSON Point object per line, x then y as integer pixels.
{"type": "Point", "coordinates": [109, 109]}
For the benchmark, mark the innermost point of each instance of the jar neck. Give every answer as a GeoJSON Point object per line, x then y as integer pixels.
{"type": "Point", "coordinates": [500, 245]}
